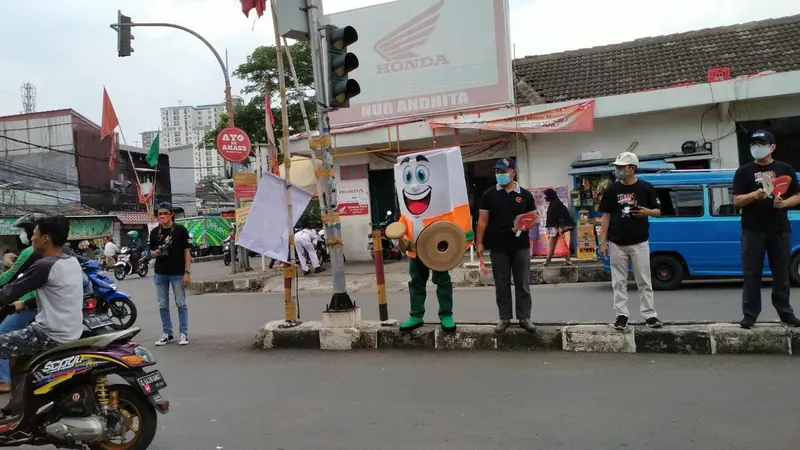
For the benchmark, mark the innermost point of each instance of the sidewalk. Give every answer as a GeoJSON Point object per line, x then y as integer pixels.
{"type": "Point", "coordinates": [361, 276]}
{"type": "Point", "coordinates": [674, 338]}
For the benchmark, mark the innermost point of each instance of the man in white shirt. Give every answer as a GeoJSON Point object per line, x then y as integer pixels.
{"type": "Point", "coordinates": [305, 241]}
{"type": "Point", "coordinates": [110, 252]}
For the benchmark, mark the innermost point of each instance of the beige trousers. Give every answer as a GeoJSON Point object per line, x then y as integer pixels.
{"type": "Point", "coordinates": [639, 256]}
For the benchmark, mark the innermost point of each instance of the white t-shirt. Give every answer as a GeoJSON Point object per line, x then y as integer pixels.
{"type": "Point", "coordinates": [110, 249]}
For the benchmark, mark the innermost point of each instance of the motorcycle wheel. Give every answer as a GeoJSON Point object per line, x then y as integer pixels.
{"type": "Point", "coordinates": [144, 269]}
{"type": "Point", "coordinates": [140, 417]}
{"type": "Point", "coordinates": [120, 273]}
{"type": "Point", "coordinates": [122, 312]}
{"type": "Point", "coordinates": [195, 253]}
{"type": "Point", "coordinates": [227, 259]}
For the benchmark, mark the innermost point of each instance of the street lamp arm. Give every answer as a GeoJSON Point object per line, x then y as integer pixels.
{"type": "Point", "coordinates": [228, 95]}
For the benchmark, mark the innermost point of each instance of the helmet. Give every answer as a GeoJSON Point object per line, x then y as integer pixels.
{"type": "Point", "coordinates": [133, 234]}
{"type": "Point", "coordinates": [28, 223]}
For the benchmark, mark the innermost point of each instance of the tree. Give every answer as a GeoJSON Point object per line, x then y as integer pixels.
{"type": "Point", "coordinates": [208, 181]}
{"type": "Point", "coordinates": [262, 65]}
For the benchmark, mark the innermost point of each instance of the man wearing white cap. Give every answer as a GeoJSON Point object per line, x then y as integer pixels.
{"type": "Point", "coordinates": [624, 237]}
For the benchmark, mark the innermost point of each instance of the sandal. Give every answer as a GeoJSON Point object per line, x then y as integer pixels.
{"type": "Point", "coordinates": [567, 263]}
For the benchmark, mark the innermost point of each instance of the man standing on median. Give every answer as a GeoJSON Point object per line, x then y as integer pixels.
{"type": "Point", "coordinates": [765, 229]}
{"type": "Point", "coordinates": [510, 253]}
{"type": "Point", "coordinates": [624, 235]}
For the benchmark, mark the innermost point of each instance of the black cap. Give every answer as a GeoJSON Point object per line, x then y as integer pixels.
{"type": "Point", "coordinates": [505, 164]}
{"type": "Point", "coordinates": [167, 206]}
{"type": "Point", "coordinates": [762, 136]}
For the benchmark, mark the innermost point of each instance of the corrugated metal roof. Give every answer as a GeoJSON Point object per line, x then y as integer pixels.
{"type": "Point", "coordinates": [133, 217]}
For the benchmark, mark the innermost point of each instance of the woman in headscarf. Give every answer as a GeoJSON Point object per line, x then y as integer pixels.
{"type": "Point", "coordinates": [559, 222]}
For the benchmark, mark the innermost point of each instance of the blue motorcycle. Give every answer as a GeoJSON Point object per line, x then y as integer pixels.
{"type": "Point", "coordinates": [107, 300]}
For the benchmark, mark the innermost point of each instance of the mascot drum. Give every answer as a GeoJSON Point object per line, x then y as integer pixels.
{"type": "Point", "coordinates": [435, 227]}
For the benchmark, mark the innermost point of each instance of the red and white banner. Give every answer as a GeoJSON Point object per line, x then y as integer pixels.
{"type": "Point", "coordinates": [352, 197]}
{"type": "Point", "coordinates": [420, 58]}
{"type": "Point", "coordinates": [577, 117]}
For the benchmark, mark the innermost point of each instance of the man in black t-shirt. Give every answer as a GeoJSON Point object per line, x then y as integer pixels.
{"type": "Point", "coordinates": [624, 237]}
{"type": "Point", "coordinates": [510, 254]}
{"type": "Point", "coordinates": [169, 245]}
{"type": "Point", "coordinates": [765, 229]}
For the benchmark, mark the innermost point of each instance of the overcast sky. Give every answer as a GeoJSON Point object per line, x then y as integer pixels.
{"type": "Point", "coordinates": [67, 50]}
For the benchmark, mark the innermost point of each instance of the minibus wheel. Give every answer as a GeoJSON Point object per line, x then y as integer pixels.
{"type": "Point", "coordinates": [796, 269]}
{"type": "Point", "coordinates": [667, 271]}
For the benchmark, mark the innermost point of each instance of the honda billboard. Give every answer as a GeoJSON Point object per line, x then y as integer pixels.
{"type": "Point", "coordinates": [426, 57]}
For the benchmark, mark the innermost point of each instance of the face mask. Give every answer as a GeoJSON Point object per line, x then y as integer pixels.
{"type": "Point", "coordinates": [503, 179]}
{"type": "Point", "coordinates": [23, 237]}
{"type": "Point", "coordinates": [621, 174]}
{"type": "Point", "coordinates": [164, 219]}
{"type": "Point", "coordinates": [760, 151]}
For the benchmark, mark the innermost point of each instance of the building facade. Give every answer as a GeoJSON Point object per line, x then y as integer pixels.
{"type": "Point", "coordinates": [148, 137]}
{"type": "Point", "coordinates": [188, 125]}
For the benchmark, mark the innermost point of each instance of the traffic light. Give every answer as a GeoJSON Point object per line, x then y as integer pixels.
{"type": "Point", "coordinates": [124, 36]}
{"type": "Point", "coordinates": [340, 64]}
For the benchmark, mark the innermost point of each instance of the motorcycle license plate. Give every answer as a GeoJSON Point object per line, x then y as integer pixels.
{"type": "Point", "coordinates": [152, 382]}
{"type": "Point", "coordinates": [95, 321]}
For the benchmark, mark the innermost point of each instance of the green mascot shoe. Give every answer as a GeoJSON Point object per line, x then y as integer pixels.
{"type": "Point", "coordinates": [412, 323]}
{"type": "Point", "coordinates": [448, 323]}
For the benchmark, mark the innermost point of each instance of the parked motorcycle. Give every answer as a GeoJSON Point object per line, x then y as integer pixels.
{"type": "Point", "coordinates": [128, 264]}
{"type": "Point", "coordinates": [226, 251]}
{"type": "Point", "coordinates": [62, 397]}
{"type": "Point", "coordinates": [390, 249]}
{"type": "Point", "coordinates": [106, 299]}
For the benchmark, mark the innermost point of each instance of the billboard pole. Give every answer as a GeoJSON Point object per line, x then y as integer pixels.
{"type": "Point", "coordinates": [340, 301]}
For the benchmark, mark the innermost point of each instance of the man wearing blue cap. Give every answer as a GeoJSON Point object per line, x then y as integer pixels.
{"type": "Point", "coordinates": [510, 253]}
{"type": "Point", "coordinates": [765, 228]}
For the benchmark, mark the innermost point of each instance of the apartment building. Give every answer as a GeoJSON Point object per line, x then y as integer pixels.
{"type": "Point", "coordinates": [187, 125]}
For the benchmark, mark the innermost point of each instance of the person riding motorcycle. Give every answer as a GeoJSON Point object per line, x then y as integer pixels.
{"type": "Point", "coordinates": [136, 247]}
{"type": "Point", "coordinates": [54, 278]}
{"type": "Point", "coordinates": [23, 261]}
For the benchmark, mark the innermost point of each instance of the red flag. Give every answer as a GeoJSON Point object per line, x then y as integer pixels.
{"type": "Point", "coordinates": [109, 123]}
{"type": "Point", "coordinates": [268, 106]}
{"type": "Point", "coordinates": [259, 5]}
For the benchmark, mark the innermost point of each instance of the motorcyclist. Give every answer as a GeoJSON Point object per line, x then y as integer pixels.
{"type": "Point", "coordinates": [136, 247]}
{"type": "Point", "coordinates": [23, 261]}
{"type": "Point", "coordinates": [55, 279]}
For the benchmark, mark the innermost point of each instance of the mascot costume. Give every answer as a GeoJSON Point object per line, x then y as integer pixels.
{"type": "Point", "coordinates": [435, 227]}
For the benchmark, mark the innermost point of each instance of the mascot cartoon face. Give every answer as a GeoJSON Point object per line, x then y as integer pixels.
{"type": "Point", "coordinates": [430, 184]}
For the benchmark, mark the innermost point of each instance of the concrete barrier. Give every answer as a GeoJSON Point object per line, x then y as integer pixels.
{"type": "Point", "coordinates": [471, 275]}
{"type": "Point", "coordinates": [677, 338]}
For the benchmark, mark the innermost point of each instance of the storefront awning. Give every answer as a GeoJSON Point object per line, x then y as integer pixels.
{"type": "Point", "coordinates": [89, 228]}
{"type": "Point", "coordinates": [644, 166]}
{"type": "Point", "coordinates": [134, 217]}
{"type": "Point", "coordinates": [5, 227]}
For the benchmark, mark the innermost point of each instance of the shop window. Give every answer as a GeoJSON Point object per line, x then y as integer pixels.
{"type": "Point", "coordinates": [681, 201]}
{"type": "Point", "coordinates": [721, 201]}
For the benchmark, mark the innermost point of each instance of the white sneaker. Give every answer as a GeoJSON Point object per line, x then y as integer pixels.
{"type": "Point", "coordinates": [165, 339]}
{"type": "Point", "coordinates": [184, 340]}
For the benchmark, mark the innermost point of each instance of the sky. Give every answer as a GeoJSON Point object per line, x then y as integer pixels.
{"type": "Point", "coordinates": [67, 50]}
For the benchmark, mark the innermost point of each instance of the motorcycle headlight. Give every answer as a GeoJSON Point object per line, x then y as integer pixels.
{"type": "Point", "coordinates": [146, 355]}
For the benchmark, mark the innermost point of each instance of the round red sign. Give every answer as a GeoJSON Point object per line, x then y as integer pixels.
{"type": "Point", "coordinates": [233, 144]}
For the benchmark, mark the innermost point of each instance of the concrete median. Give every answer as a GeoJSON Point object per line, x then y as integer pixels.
{"type": "Point", "coordinates": [676, 338]}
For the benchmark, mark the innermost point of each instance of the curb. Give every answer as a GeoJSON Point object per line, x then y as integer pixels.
{"type": "Point", "coordinates": [679, 338]}
{"type": "Point", "coordinates": [200, 259]}
{"type": "Point", "coordinates": [247, 284]}
{"type": "Point", "coordinates": [576, 273]}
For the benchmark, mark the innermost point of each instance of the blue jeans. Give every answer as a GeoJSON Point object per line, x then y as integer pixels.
{"type": "Point", "coordinates": [163, 283]}
{"type": "Point", "coordinates": [14, 322]}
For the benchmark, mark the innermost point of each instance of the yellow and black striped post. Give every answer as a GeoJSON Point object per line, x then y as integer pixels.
{"type": "Point", "coordinates": [380, 277]}
{"type": "Point", "coordinates": [289, 274]}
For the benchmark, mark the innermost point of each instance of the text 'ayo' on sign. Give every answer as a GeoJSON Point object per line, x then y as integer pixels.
{"type": "Point", "coordinates": [233, 144]}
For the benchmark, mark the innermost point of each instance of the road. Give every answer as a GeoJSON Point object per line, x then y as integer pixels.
{"type": "Point", "coordinates": [226, 397]}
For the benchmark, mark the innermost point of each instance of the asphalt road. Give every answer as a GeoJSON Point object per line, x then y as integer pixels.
{"type": "Point", "coordinates": [226, 397]}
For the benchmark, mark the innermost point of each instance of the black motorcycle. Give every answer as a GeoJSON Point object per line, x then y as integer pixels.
{"type": "Point", "coordinates": [62, 397]}
{"type": "Point", "coordinates": [390, 250]}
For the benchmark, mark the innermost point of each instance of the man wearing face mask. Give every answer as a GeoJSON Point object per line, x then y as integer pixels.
{"type": "Point", "coordinates": [624, 237]}
{"type": "Point", "coordinates": [510, 254]}
{"type": "Point", "coordinates": [765, 229]}
{"type": "Point", "coordinates": [170, 245]}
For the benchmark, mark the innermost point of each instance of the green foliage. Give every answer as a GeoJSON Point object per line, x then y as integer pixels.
{"type": "Point", "coordinates": [311, 215]}
{"type": "Point", "coordinates": [250, 117]}
{"type": "Point", "coordinates": [207, 182]}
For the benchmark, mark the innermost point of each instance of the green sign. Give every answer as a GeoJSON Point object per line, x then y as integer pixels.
{"type": "Point", "coordinates": [210, 231]}
{"type": "Point", "coordinates": [6, 229]}
{"type": "Point", "coordinates": [89, 228]}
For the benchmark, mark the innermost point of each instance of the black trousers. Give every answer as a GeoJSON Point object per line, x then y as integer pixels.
{"type": "Point", "coordinates": [776, 245]}
{"type": "Point", "coordinates": [504, 265]}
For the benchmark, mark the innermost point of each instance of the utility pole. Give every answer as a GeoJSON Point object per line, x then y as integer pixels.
{"type": "Point", "coordinates": [333, 88]}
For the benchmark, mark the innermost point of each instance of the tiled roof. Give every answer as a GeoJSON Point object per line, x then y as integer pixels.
{"type": "Point", "coordinates": [133, 217]}
{"type": "Point", "coordinates": [662, 61]}
{"type": "Point", "coordinates": [69, 209]}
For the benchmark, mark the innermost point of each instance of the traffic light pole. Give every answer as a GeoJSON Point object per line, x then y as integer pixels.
{"type": "Point", "coordinates": [340, 301]}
